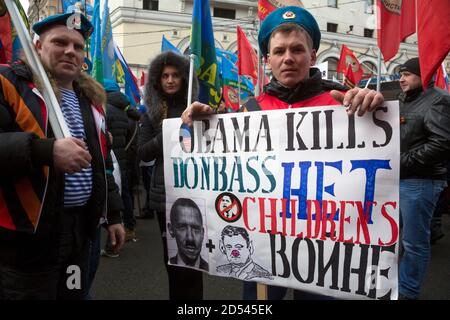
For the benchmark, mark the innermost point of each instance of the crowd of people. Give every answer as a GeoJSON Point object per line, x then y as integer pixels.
{"type": "Point", "coordinates": [56, 194]}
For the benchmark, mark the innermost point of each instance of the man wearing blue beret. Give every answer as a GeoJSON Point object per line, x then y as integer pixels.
{"type": "Point", "coordinates": [53, 192]}
{"type": "Point", "coordinates": [289, 39]}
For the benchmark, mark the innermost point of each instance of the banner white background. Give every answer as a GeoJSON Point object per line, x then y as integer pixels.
{"type": "Point", "coordinates": [345, 169]}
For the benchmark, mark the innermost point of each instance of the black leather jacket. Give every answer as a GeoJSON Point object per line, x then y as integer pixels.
{"type": "Point", "coordinates": [424, 133]}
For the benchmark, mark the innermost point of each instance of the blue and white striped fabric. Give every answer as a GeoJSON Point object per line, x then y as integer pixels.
{"type": "Point", "coordinates": [78, 186]}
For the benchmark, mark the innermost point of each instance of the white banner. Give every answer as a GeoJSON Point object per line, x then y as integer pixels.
{"type": "Point", "coordinates": [303, 198]}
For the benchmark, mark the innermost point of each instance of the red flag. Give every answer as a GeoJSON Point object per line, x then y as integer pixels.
{"type": "Point", "coordinates": [6, 36]}
{"type": "Point", "coordinates": [433, 34]}
{"type": "Point", "coordinates": [347, 59]}
{"type": "Point", "coordinates": [442, 79]}
{"type": "Point", "coordinates": [349, 78]}
{"type": "Point", "coordinates": [247, 59]}
{"type": "Point", "coordinates": [142, 81]}
{"type": "Point", "coordinates": [264, 8]}
{"type": "Point", "coordinates": [230, 96]}
{"type": "Point", "coordinates": [267, 6]}
{"type": "Point", "coordinates": [396, 21]}
{"type": "Point", "coordinates": [2, 53]}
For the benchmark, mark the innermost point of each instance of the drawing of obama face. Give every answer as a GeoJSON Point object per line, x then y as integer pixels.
{"type": "Point", "coordinates": [186, 226]}
{"type": "Point", "coordinates": [226, 206]}
{"type": "Point", "coordinates": [236, 245]}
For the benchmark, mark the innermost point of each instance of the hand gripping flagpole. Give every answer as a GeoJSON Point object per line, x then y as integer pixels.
{"type": "Point", "coordinates": [55, 115]}
{"type": "Point", "coordinates": [191, 78]}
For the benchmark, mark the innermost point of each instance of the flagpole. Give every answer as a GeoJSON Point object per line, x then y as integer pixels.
{"type": "Point", "coordinates": [239, 91]}
{"type": "Point", "coordinates": [55, 115]}
{"type": "Point", "coordinates": [87, 41]}
{"type": "Point", "coordinates": [258, 80]}
{"type": "Point", "coordinates": [417, 18]}
{"type": "Point", "coordinates": [379, 50]}
{"type": "Point", "coordinates": [379, 71]}
{"type": "Point", "coordinates": [191, 78]}
{"type": "Point", "coordinates": [368, 82]}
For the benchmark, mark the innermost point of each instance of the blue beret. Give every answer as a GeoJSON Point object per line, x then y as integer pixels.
{"type": "Point", "coordinates": [75, 21]}
{"type": "Point", "coordinates": [290, 14]}
{"type": "Point", "coordinates": [111, 86]}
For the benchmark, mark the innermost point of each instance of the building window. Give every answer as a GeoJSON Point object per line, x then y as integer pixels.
{"type": "Point", "coordinates": [368, 33]}
{"type": "Point", "coordinates": [350, 29]}
{"type": "Point", "coordinates": [332, 69]}
{"type": "Point", "coordinates": [369, 69]}
{"type": "Point", "coordinates": [368, 7]}
{"type": "Point", "coordinates": [332, 3]}
{"type": "Point", "coordinates": [224, 13]}
{"type": "Point", "coordinates": [150, 5]}
{"type": "Point", "coordinates": [332, 27]}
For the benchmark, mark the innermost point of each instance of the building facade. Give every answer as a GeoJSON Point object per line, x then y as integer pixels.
{"type": "Point", "coordinates": [139, 25]}
{"type": "Point", "coordinates": [39, 9]}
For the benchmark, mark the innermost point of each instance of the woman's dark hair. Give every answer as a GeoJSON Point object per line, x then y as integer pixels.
{"type": "Point", "coordinates": [155, 98]}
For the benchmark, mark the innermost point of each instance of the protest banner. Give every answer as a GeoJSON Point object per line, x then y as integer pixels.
{"type": "Point", "coordinates": [304, 198]}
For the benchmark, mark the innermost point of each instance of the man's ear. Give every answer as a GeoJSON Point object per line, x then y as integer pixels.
{"type": "Point", "coordinates": [171, 231]}
{"type": "Point", "coordinates": [313, 57]}
{"type": "Point", "coordinates": [250, 247]}
{"type": "Point", "coordinates": [268, 61]}
{"type": "Point", "coordinates": [222, 247]}
{"type": "Point", "coordinates": [38, 46]}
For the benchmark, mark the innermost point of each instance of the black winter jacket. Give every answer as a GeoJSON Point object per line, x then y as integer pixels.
{"type": "Point", "coordinates": [134, 117]}
{"type": "Point", "coordinates": [117, 122]}
{"type": "Point", "coordinates": [150, 143]}
{"type": "Point", "coordinates": [424, 133]}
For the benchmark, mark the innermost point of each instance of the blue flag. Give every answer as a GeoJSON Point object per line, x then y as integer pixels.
{"type": "Point", "coordinates": [227, 54]}
{"type": "Point", "coordinates": [75, 5]}
{"type": "Point", "coordinates": [202, 46]}
{"type": "Point", "coordinates": [131, 87]}
{"type": "Point", "coordinates": [96, 45]}
{"type": "Point", "coordinates": [166, 45]}
{"type": "Point", "coordinates": [67, 3]}
{"type": "Point", "coordinates": [107, 44]}
{"type": "Point", "coordinates": [231, 85]}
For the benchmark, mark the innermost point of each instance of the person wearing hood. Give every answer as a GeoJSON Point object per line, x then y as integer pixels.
{"type": "Point", "coordinates": [166, 96]}
{"type": "Point", "coordinates": [53, 192]}
{"type": "Point", "coordinates": [289, 39]}
{"type": "Point", "coordinates": [424, 149]}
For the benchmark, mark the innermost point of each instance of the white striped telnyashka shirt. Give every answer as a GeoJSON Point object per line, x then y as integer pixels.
{"type": "Point", "coordinates": [78, 186]}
